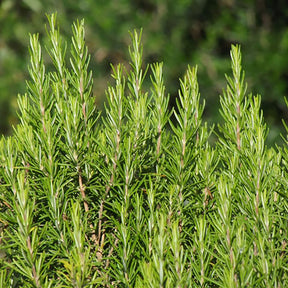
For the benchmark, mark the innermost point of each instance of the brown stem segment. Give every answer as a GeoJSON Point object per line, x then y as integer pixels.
{"type": "Point", "coordinates": [86, 207]}
{"type": "Point", "coordinates": [82, 191]}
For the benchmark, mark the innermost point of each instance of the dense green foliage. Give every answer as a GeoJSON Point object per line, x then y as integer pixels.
{"type": "Point", "coordinates": [130, 198]}
{"type": "Point", "coordinates": [176, 32]}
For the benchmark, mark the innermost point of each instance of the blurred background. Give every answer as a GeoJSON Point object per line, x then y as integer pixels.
{"type": "Point", "coordinates": [177, 32]}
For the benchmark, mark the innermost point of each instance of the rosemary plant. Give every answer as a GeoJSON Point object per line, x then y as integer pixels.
{"type": "Point", "coordinates": [130, 197]}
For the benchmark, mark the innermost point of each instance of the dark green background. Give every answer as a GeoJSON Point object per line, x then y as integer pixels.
{"type": "Point", "coordinates": [176, 32]}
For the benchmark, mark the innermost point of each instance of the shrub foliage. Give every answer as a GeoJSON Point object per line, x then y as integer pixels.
{"type": "Point", "coordinates": [138, 196]}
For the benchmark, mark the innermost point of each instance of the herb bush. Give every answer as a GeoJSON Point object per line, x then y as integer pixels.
{"type": "Point", "coordinates": [131, 198]}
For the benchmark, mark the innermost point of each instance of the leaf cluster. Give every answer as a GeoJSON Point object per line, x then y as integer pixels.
{"type": "Point", "coordinates": [132, 198]}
